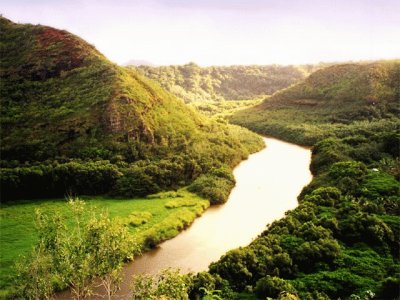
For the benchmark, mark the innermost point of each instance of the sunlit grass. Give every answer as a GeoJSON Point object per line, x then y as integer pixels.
{"type": "Point", "coordinates": [17, 222]}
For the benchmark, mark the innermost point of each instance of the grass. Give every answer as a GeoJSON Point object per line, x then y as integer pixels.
{"type": "Point", "coordinates": [17, 222]}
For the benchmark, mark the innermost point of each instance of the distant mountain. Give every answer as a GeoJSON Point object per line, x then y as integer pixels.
{"type": "Point", "coordinates": [61, 99]}
{"type": "Point", "coordinates": [193, 83]}
{"type": "Point", "coordinates": [339, 94]}
{"type": "Point", "coordinates": [139, 62]}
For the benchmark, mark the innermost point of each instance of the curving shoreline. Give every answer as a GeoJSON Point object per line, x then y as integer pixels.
{"type": "Point", "coordinates": [267, 185]}
{"type": "Point", "coordinates": [279, 171]}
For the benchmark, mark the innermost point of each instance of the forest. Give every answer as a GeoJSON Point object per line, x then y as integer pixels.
{"type": "Point", "coordinates": [136, 164]}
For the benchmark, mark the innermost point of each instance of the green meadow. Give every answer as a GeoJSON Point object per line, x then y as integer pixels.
{"type": "Point", "coordinates": [150, 220]}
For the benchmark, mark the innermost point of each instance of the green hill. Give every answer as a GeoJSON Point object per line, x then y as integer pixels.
{"type": "Point", "coordinates": [72, 121]}
{"type": "Point", "coordinates": [362, 95]}
{"type": "Point", "coordinates": [193, 83]}
{"type": "Point", "coordinates": [342, 240]}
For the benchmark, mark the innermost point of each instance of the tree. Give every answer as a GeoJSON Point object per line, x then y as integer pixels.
{"type": "Point", "coordinates": [271, 286]}
{"type": "Point", "coordinates": [109, 244]}
{"type": "Point", "coordinates": [169, 284]}
{"type": "Point", "coordinates": [93, 247]}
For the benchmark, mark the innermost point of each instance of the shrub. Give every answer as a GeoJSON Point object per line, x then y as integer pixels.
{"type": "Point", "coordinates": [353, 169]}
{"type": "Point", "coordinates": [324, 196]}
{"type": "Point", "coordinates": [271, 286]}
{"type": "Point", "coordinates": [137, 218]}
{"type": "Point", "coordinates": [378, 184]}
{"type": "Point", "coordinates": [58, 179]}
{"type": "Point", "coordinates": [135, 182]}
{"type": "Point", "coordinates": [214, 188]}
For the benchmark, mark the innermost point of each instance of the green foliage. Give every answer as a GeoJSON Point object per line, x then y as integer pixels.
{"type": "Point", "coordinates": [353, 169]}
{"type": "Point", "coordinates": [270, 286]}
{"type": "Point", "coordinates": [180, 203]}
{"type": "Point", "coordinates": [56, 179]}
{"type": "Point", "coordinates": [324, 196]}
{"type": "Point", "coordinates": [380, 184]}
{"type": "Point", "coordinates": [135, 182]}
{"type": "Point", "coordinates": [137, 218]}
{"type": "Point", "coordinates": [212, 187]}
{"type": "Point", "coordinates": [96, 247]}
{"type": "Point", "coordinates": [168, 285]}
{"type": "Point", "coordinates": [338, 101]}
{"type": "Point", "coordinates": [36, 279]}
{"type": "Point", "coordinates": [341, 241]}
{"type": "Point", "coordinates": [73, 122]}
{"type": "Point", "coordinates": [224, 108]}
{"type": "Point", "coordinates": [215, 84]}
{"type": "Point", "coordinates": [336, 283]}
{"type": "Point", "coordinates": [18, 234]}
{"type": "Point", "coordinates": [210, 286]}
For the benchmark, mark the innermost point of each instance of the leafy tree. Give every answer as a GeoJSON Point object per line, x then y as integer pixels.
{"type": "Point", "coordinates": [271, 286]}
{"type": "Point", "coordinates": [94, 248]}
{"type": "Point", "coordinates": [168, 284]}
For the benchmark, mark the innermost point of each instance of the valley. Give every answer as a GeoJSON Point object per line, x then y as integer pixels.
{"type": "Point", "coordinates": [109, 171]}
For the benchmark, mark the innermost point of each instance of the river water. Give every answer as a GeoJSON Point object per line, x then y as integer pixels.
{"type": "Point", "coordinates": [267, 185]}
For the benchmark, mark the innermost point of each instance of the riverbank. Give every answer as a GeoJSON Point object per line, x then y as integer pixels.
{"type": "Point", "coordinates": [167, 213]}
{"type": "Point", "coordinates": [260, 181]}
{"type": "Point", "coordinates": [267, 185]}
{"type": "Point", "coordinates": [263, 193]}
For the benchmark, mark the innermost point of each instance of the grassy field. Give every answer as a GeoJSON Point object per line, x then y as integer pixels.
{"type": "Point", "coordinates": [151, 220]}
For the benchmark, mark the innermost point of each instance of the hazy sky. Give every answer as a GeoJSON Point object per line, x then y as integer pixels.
{"type": "Point", "coordinates": [224, 32]}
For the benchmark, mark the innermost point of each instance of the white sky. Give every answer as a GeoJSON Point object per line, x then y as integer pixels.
{"type": "Point", "coordinates": [224, 32]}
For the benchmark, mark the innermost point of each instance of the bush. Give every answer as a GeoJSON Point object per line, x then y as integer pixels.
{"type": "Point", "coordinates": [58, 179]}
{"type": "Point", "coordinates": [271, 286]}
{"type": "Point", "coordinates": [137, 218]}
{"type": "Point", "coordinates": [353, 169]}
{"type": "Point", "coordinates": [74, 256]}
{"type": "Point", "coordinates": [324, 196]}
{"type": "Point", "coordinates": [236, 267]}
{"type": "Point", "coordinates": [214, 188]}
{"type": "Point", "coordinates": [135, 182]}
{"type": "Point", "coordinates": [378, 184]}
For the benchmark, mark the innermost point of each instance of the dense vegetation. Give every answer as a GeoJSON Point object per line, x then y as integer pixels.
{"type": "Point", "coordinates": [343, 238]}
{"type": "Point", "coordinates": [342, 241]}
{"type": "Point", "coordinates": [193, 83]}
{"type": "Point", "coordinates": [336, 101]}
{"type": "Point", "coordinates": [73, 122]}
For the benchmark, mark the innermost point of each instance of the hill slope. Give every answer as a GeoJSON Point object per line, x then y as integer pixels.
{"type": "Point", "coordinates": [342, 241]}
{"type": "Point", "coordinates": [329, 99]}
{"type": "Point", "coordinates": [63, 102]}
{"type": "Point", "coordinates": [209, 84]}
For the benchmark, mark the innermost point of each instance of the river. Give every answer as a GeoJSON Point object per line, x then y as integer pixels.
{"type": "Point", "coordinates": [267, 185]}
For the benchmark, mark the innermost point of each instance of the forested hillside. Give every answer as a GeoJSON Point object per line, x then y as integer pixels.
{"type": "Point", "coordinates": [73, 122]}
{"type": "Point", "coordinates": [365, 95]}
{"type": "Point", "coordinates": [342, 241]}
{"type": "Point", "coordinates": [193, 83]}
